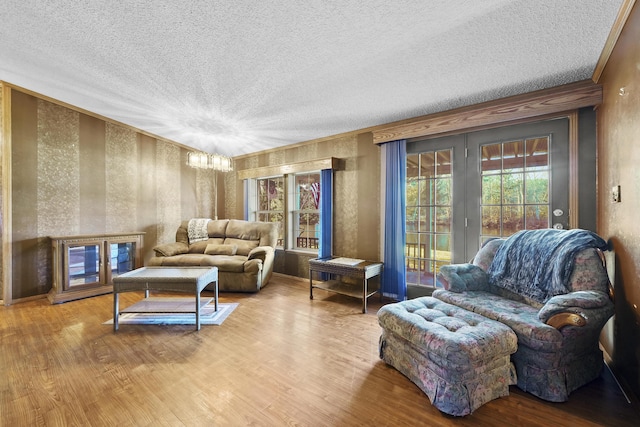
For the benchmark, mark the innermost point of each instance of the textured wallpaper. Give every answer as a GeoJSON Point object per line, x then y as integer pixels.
{"type": "Point", "coordinates": [58, 201]}
{"type": "Point", "coordinates": [356, 195]}
{"type": "Point", "coordinates": [74, 174]}
{"type": "Point", "coordinates": [121, 178]}
{"type": "Point", "coordinates": [2, 142]}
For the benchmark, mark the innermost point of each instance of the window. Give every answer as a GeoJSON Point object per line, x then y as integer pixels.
{"type": "Point", "coordinates": [297, 214]}
{"type": "Point", "coordinates": [270, 203]}
{"type": "Point", "coordinates": [305, 211]}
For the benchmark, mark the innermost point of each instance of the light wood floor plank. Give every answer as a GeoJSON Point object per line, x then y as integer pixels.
{"type": "Point", "coordinates": [279, 359]}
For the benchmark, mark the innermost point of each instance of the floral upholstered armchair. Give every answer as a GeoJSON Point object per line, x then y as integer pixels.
{"type": "Point", "coordinates": [552, 289]}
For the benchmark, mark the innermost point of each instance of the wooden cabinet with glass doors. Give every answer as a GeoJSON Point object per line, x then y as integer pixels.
{"type": "Point", "coordinates": [84, 266]}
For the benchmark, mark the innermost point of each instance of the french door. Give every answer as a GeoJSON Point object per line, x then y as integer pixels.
{"type": "Point", "coordinates": [465, 189]}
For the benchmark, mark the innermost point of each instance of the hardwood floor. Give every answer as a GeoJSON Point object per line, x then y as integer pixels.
{"type": "Point", "coordinates": [279, 359]}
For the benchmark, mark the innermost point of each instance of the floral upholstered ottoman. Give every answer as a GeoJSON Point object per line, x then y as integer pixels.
{"type": "Point", "coordinates": [458, 358]}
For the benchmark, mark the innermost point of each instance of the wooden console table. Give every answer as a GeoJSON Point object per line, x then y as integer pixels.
{"type": "Point", "coordinates": [85, 265]}
{"type": "Point", "coordinates": [345, 267]}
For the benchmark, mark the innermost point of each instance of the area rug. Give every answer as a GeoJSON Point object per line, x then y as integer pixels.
{"type": "Point", "coordinates": [170, 311]}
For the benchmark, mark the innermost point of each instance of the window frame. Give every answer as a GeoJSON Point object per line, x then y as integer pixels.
{"type": "Point", "coordinates": [293, 213]}
{"type": "Point", "coordinates": [255, 213]}
{"type": "Point", "coordinates": [287, 240]}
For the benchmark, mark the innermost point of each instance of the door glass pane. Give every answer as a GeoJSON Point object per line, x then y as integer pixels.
{"type": "Point", "coordinates": [443, 219]}
{"type": "Point", "coordinates": [537, 152]}
{"type": "Point", "coordinates": [426, 191]}
{"type": "Point", "coordinates": [512, 188]}
{"type": "Point", "coordinates": [537, 185]}
{"type": "Point", "coordinates": [537, 217]}
{"type": "Point", "coordinates": [515, 180]}
{"type": "Point", "coordinates": [491, 189]}
{"type": "Point", "coordinates": [491, 220]}
{"type": "Point", "coordinates": [513, 160]}
{"type": "Point", "coordinates": [428, 164]}
{"type": "Point", "coordinates": [412, 166]}
{"type": "Point", "coordinates": [429, 215]}
{"type": "Point", "coordinates": [512, 219]}
{"type": "Point", "coordinates": [491, 159]}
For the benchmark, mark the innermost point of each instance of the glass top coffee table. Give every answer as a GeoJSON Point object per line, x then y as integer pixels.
{"type": "Point", "coordinates": [179, 279]}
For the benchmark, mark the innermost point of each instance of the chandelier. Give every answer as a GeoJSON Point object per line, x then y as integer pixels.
{"type": "Point", "coordinates": [217, 162]}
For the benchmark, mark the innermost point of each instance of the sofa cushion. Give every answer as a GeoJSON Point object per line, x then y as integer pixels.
{"type": "Point", "coordinates": [231, 264]}
{"type": "Point", "coordinates": [216, 249]}
{"type": "Point", "coordinates": [199, 247]}
{"type": "Point", "coordinates": [217, 227]}
{"type": "Point", "coordinates": [519, 316]}
{"type": "Point", "coordinates": [244, 246]}
{"type": "Point", "coordinates": [266, 233]}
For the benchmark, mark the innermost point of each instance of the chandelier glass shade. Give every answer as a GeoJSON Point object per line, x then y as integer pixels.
{"type": "Point", "coordinates": [201, 160]}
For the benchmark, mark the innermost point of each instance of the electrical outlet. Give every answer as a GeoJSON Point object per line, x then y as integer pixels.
{"type": "Point", "coordinates": [615, 194]}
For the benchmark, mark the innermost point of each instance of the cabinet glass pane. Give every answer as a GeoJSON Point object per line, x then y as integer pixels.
{"type": "Point", "coordinates": [122, 258]}
{"type": "Point", "coordinates": [84, 265]}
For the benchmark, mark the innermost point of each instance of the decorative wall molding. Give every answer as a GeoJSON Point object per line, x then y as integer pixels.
{"type": "Point", "coordinates": [574, 161]}
{"type": "Point", "coordinates": [493, 113]}
{"type": "Point", "coordinates": [311, 165]}
{"type": "Point", "coordinates": [614, 34]}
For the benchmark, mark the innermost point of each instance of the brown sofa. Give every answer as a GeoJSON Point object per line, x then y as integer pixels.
{"type": "Point", "coordinates": [243, 251]}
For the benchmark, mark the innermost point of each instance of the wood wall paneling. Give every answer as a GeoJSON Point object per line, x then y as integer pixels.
{"type": "Point", "coordinates": [24, 190]}
{"type": "Point", "coordinates": [92, 175]}
{"type": "Point", "coordinates": [5, 195]}
{"type": "Point", "coordinates": [74, 173]}
{"type": "Point", "coordinates": [147, 193]}
{"type": "Point", "coordinates": [368, 177]}
{"type": "Point", "coordinates": [618, 160]}
{"type": "Point", "coordinates": [121, 170]}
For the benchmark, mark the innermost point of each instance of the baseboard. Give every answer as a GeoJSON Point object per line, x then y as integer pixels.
{"type": "Point", "coordinates": [624, 387]}
{"type": "Point", "coordinates": [27, 299]}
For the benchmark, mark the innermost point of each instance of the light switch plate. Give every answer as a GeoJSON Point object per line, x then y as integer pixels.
{"type": "Point", "coordinates": [615, 194]}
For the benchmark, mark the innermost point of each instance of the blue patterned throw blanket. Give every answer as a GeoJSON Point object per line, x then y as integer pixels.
{"type": "Point", "coordinates": [197, 229]}
{"type": "Point", "coordinates": [538, 263]}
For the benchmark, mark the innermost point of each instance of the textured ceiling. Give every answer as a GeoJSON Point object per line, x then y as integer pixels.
{"type": "Point", "coordinates": [238, 76]}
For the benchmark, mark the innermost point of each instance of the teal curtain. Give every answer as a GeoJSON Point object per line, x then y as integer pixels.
{"type": "Point", "coordinates": [326, 213]}
{"type": "Point", "coordinates": [394, 277]}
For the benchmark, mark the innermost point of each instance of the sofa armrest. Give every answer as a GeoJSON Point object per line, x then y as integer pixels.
{"type": "Point", "coordinates": [171, 249]}
{"type": "Point", "coordinates": [575, 308]}
{"type": "Point", "coordinates": [261, 252]}
{"type": "Point", "coordinates": [463, 277]}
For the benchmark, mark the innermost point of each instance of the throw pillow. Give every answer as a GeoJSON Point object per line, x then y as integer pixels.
{"type": "Point", "coordinates": [171, 249]}
{"type": "Point", "coordinates": [213, 249]}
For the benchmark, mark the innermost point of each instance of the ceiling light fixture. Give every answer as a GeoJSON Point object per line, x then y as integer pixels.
{"type": "Point", "coordinates": [217, 162]}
